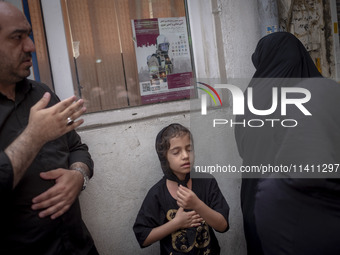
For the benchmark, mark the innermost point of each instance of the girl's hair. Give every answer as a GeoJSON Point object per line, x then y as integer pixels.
{"type": "Point", "coordinates": [163, 141]}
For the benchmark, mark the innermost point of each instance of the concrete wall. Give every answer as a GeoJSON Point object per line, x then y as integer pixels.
{"type": "Point", "coordinates": [313, 23]}
{"type": "Point", "coordinates": [241, 32]}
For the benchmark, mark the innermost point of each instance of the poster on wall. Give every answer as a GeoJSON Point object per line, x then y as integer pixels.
{"type": "Point", "coordinates": [163, 58]}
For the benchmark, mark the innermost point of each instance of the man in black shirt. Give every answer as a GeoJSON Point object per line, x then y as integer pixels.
{"type": "Point", "coordinates": [43, 163]}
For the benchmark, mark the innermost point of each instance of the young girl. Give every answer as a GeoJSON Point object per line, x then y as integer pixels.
{"type": "Point", "coordinates": [178, 211]}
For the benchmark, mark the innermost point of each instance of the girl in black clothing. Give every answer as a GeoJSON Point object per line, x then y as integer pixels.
{"type": "Point", "coordinates": [178, 211]}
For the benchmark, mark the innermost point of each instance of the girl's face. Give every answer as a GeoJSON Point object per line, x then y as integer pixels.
{"type": "Point", "coordinates": [180, 155]}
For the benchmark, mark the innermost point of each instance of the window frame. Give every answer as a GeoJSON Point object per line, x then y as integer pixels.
{"type": "Point", "coordinates": [205, 66]}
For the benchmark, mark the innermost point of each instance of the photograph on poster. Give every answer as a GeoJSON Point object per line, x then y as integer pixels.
{"type": "Point", "coordinates": [163, 58]}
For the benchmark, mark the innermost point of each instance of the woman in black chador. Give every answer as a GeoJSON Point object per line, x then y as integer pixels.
{"type": "Point", "coordinates": [277, 57]}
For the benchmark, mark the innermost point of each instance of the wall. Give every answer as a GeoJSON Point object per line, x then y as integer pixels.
{"type": "Point", "coordinates": [241, 32]}
{"type": "Point", "coordinates": [335, 13]}
{"type": "Point", "coordinates": [312, 22]}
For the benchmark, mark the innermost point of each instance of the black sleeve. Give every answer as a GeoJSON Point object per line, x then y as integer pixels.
{"type": "Point", "coordinates": [217, 201]}
{"type": "Point", "coordinates": [149, 216]}
{"type": "Point", "coordinates": [79, 151]}
{"type": "Point", "coordinates": [6, 174]}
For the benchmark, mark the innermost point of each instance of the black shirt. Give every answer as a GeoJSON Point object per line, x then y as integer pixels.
{"type": "Point", "coordinates": [22, 231]}
{"type": "Point", "coordinates": [159, 207]}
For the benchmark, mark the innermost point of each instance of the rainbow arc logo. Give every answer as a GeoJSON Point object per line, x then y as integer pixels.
{"type": "Point", "coordinates": [204, 96]}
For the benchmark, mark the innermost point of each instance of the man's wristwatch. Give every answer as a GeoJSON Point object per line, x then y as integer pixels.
{"type": "Point", "coordinates": [86, 177]}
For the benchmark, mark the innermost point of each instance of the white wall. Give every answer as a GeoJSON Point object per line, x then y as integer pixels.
{"type": "Point", "coordinates": [241, 32]}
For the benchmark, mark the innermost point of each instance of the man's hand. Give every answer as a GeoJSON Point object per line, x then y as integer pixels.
{"type": "Point", "coordinates": [57, 200]}
{"type": "Point", "coordinates": [46, 124]}
{"type": "Point", "coordinates": [186, 198]}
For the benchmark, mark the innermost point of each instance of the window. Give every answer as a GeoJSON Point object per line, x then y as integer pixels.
{"type": "Point", "coordinates": [101, 46]}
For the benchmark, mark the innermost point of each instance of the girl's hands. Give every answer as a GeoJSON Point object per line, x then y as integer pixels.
{"type": "Point", "coordinates": [187, 219]}
{"type": "Point", "coordinates": [186, 198]}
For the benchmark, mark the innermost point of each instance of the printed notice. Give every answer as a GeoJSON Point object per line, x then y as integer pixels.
{"type": "Point", "coordinates": [163, 59]}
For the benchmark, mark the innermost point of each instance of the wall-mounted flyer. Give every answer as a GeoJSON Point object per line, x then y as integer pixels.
{"type": "Point", "coordinates": [163, 59]}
